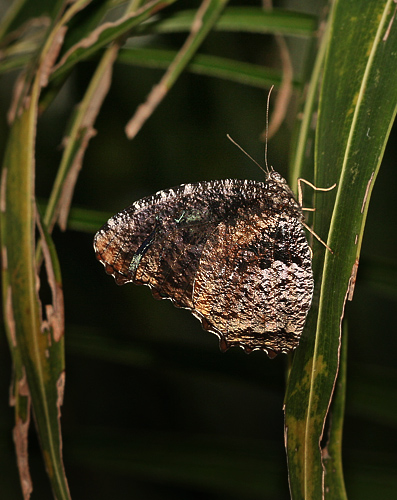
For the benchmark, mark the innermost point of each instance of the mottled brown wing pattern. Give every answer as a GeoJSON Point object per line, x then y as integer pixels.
{"type": "Point", "coordinates": [170, 265]}
{"type": "Point", "coordinates": [157, 243]}
{"type": "Point", "coordinates": [258, 295]}
{"type": "Point", "coordinates": [233, 252]}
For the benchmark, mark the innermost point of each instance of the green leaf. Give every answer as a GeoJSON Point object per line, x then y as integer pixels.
{"type": "Point", "coordinates": [37, 348]}
{"type": "Point", "coordinates": [357, 108]}
{"type": "Point", "coordinates": [219, 67]}
{"type": "Point", "coordinates": [249, 19]}
{"type": "Point", "coordinates": [18, 277]}
{"type": "Point", "coordinates": [332, 450]}
{"type": "Point", "coordinates": [104, 34]}
{"type": "Point", "coordinates": [36, 343]}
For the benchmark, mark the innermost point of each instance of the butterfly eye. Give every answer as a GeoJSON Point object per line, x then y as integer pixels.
{"type": "Point", "coordinates": [275, 176]}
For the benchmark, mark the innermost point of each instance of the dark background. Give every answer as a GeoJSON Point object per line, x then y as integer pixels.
{"type": "Point", "coordinates": [153, 409]}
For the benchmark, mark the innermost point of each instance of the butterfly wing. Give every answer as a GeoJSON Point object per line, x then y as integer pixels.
{"type": "Point", "coordinates": [233, 252]}
{"type": "Point", "coordinates": [158, 241]}
{"type": "Point", "coordinates": [254, 285]}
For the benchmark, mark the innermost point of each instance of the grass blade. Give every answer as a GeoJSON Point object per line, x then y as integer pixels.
{"type": "Point", "coordinates": [202, 64]}
{"type": "Point", "coordinates": [36, 347]}
{"type": "Point", "coordinates": [104, 34]}
{"type": "Point", "coordinates": [249, 19]}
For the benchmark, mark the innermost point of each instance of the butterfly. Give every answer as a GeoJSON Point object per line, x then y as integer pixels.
{"type": "Point", "coordinates": [233, 252]}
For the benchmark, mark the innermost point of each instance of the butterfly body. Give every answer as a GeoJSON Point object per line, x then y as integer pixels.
{"type": "Point", "coordinates": [233, 252]}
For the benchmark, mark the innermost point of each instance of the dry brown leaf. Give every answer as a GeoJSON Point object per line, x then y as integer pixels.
{"type": "Point", "coordinates": [54, 311]}
{"type": "Point", "coordinates": [20, 435]}
{"type": "Point", "coordinates": [87, 132]}
{"type": "Point", "coordinates": [95, 34]}
{"type": "Point", "coordinates": [48, 62]}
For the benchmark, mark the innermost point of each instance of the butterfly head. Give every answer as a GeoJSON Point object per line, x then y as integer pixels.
{"type": "Point", "coordinates": [276, 177]}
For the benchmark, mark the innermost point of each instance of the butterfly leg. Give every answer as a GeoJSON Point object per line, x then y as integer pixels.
{"type": "Point", "coordinates": [300, 201]}
{"type": "Point", "coordinates": [308, 183]}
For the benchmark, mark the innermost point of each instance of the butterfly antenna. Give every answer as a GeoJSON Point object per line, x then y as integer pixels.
{"type": "Point", "coordinates": [245, 152]}
{"type": "Point", "coordinates": [267, 129]}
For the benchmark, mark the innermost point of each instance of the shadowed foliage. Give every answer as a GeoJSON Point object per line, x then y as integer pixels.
{"type": "Point", "coordinates": [151, 408]}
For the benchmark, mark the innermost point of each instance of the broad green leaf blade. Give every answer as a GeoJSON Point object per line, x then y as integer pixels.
{"type": "Point", "coordinates": [334, 483]}
{"type": "Point", "coordinates": [357, 108]}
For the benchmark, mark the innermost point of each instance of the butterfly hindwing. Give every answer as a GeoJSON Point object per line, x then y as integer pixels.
{"type": "Point", "coordinates": [255, 290]}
